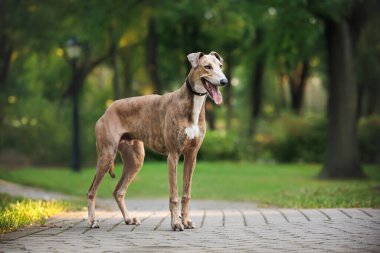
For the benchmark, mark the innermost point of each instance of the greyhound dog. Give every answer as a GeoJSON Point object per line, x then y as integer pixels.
{"type": "Point", "coordinates": [172, 124]}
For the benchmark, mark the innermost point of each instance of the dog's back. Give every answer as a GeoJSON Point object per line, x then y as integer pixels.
{"type": "Point", "coordinates": [141, 118]}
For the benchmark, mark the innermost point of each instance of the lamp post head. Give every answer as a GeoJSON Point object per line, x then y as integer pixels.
{"type": "Point", "coordinates": [73, 49]}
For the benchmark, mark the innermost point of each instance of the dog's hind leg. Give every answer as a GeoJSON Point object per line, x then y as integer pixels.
{"type": "Point", "coordinates": [103, 165]}
{"type": "Point", "coordinates": [106, 148]}
{"type": "Point", "coordinates": [132, 155]}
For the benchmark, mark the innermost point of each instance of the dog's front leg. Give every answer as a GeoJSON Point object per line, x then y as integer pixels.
{"type": "Point", "coordinates": [188, 169]}
{"type": "Point", "coordinates": [173, 200]}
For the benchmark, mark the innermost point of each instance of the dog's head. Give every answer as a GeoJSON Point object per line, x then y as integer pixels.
{"type": "Point", "coordinates": [207, 75]}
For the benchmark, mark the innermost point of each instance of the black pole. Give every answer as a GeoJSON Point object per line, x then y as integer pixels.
{"type": "Point", "coordinates": [75, 126]}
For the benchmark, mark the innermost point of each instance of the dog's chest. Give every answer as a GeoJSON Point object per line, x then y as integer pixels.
{"type": "Point", "coordinates": [192, 131]}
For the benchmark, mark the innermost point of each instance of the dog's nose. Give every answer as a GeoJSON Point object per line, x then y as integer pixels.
{"type": "Point", "coordinates": [224, 81]}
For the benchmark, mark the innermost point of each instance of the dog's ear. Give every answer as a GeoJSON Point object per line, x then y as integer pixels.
{"type": "Point", "coordinates": [217, 56]}
{"type": "Point", "coordinates": [194, 58]}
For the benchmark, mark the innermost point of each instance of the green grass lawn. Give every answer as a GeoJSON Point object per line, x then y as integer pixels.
{"type": "Point", "coordinates": [283, 185]}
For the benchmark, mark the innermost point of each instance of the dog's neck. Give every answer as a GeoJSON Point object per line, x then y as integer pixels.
{"type": "Point", "coordinates": [197, 101]}
{"type": "Point", "coordinates": [190, 87]}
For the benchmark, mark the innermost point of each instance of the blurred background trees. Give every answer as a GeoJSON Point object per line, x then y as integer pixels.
{"type": "Point", "coordinates": [304, 75]}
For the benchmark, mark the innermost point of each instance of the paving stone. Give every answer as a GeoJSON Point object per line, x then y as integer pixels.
{"type": "Point", "coordinates": [233, 218]}
{"type": "Point", "coordinates": [274, 216]}
{"type": "Point", "coordinates": [221, 227]}
{"type": "Point", "coordinates": [253, 217]}
{"type": "Point", "coordinates": [214, 218]}
{"type": "Point", "coordinates": [313, 214]}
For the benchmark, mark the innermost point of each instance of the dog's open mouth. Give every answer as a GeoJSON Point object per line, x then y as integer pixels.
{"type": "Point", "coordinates": [213, 91]}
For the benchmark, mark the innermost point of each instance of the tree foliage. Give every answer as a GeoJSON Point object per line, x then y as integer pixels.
{"type": "Point", "coordinates": [272, 50]}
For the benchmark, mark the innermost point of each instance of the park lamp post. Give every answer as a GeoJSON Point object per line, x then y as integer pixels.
{"type": "Point", "coordinates": [73, 51]}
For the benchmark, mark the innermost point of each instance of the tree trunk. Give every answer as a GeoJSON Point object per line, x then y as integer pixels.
{"type": "Point", "coordinates": [5, 54]}
{"type": "Point", "coordinates": [257, 81]}
{"type": "Point", "coordinates": [360, 103]}
{"type": "Point", "coordinates": [128, 78]}
{"type": "Point", "coordinates": [373, 98]}
{"type": "Point", "coordinates": [256, 92]}
{"type": "Point", "coordinates": [115, 80]}
{"type": "Point", "coordinates": [6, 46]}
{"type": "Point", "coordinates": [210, 115]}
{"type": "Point", "coordinates": [151, 56]}
{"type": "Point", "coordinates": [115, 66]}
{"type": "Point", "coordinates": [114, 62]}
{"type": "Point", "coordinates": [257, 77]}
{"type": "Point", "coordinates": [297, 84]}
{"type": "Point", "coordinates": [283, 77]}
{"type": "Point", "coordinates": [342, 158]}
{"type": "Point", "coordinates": [257, 88]}
{"type": "Point", "coordinates": [228, 92]}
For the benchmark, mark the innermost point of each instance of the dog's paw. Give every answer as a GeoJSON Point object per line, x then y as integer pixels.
{"type": "Point", "coordinates": [132, 221]}
{"type": "Point", "coordinates": [177, 225]}
{"type": "Point", "coordinates": [93, 224]}
{"type": "Point", "coordinates": [188, 224]}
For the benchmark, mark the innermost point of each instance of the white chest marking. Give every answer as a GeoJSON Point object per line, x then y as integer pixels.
{"type": "Point", "coordinates": [192, 131]}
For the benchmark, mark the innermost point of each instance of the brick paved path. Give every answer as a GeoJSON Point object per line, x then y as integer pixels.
{"type": "Point", "coordinates": [221, 227]}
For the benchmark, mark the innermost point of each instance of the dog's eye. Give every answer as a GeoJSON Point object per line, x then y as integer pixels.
{"type": "Point", "coordinates": [208, 67]}
{"type": "Point", "coordinates": [221, 66]}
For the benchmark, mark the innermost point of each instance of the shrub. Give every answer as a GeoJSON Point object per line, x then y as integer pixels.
{"type": "Point", "coordinates": [304, 140]}
{"type": "Point", "coordinates": [219, 145]}
{"type": "Point", "coordinates": [290, 139]}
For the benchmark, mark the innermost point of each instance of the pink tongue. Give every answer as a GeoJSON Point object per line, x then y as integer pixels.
{"type": "Point", "coordinates": [216, 95]}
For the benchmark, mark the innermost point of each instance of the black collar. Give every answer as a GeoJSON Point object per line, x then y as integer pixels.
{"type": "Point", "coordinates": [191, 88]}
